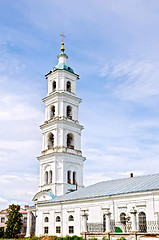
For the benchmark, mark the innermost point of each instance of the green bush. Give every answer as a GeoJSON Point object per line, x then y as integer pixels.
{"type": "Point", "coordinates": [104, 238]}
{"type": "Point", "coordinates": [122, 238]}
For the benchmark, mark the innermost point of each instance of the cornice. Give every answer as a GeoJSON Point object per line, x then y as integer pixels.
{"type": "Point", "coordinates": [62, 94]}
{"type": "Point", "coordinates": [61, 120]}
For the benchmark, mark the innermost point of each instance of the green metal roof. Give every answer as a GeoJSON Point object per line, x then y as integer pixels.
{"type": "Point", "coordinates": [62, 66]}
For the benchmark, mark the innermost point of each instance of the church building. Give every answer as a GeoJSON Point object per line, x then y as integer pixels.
{"type": "Point", "coordinates": [63, 206]}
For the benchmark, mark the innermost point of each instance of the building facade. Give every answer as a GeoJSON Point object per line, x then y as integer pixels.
{"type": "Point", "coordinates": [23, 211]}
{"type": "Point", "coordinates": [62, 205]}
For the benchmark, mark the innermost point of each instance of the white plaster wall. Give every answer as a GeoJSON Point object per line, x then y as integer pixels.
{"type": "Point", "coordinates": [95, 209]}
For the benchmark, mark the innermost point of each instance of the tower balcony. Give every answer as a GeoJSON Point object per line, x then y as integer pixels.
{"type": "Point", "coordinates": [61, 149]}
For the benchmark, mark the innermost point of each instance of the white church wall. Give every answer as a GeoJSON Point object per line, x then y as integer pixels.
{"type": "Point", "coordinates": [95, 209]}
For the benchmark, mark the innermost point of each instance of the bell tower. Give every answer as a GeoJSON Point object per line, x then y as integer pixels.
{"type": "Point", "coordinates": [61, 161]}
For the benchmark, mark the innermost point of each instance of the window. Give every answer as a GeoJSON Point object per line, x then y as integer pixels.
{"type": "Point", "coordinates": [46, 219]}
{"type": "Point", "coordinates": [104, 223]}
{"type": "Point", "coordinates": [70, 141]}
{"type": "Point", "coordinates": [58, 229]}
{"type": "Point", "coordinates": [2, 219]}
{"type": "Point", "coordinates": [69, 176]}
{"type": "Point", "coordinates": [25, 219]}
{"type": "Point", "coordinates": [74, 177]}
{"type": "Point", "coordinates": [50, 140]}
{"type": "Point", "coordinates": [46, 177]}
{"type": "Point", "coordinates": [24, 229]}
{"type": "Point", "coordinates": [142, 222]}
{"type": "Point", "coordinates": [52, 112]}
{"type": "Point", "coordinates": [46, 230]}
{"type": "Point", "coordinates": [68, 86]}
{"type": "Point", "coordinates": [123, 218]}
{"type": "Point", "coordinates": [54, 86]}
{"type": "Point", "coordinates": [71, 218]}
{"type": "Point", "coordinates": [50, 176]}
{"type": "Point", "coordinates": [58, 219]}
{"type": "Point", "coordinates": [71, 229]}
{"type": "Point", "coordinates": [69, 112]}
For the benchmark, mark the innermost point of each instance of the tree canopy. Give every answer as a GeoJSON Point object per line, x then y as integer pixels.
{"type": "Point", "coordinates": [14, 222]}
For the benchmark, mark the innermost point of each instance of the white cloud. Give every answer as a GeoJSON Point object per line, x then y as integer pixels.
{"type": "Point", "coordinates": [3, 200]}
{"type": "Point", "coordinates": [18, 188]}
{"type": "Point", "coordinates": [133, 80]}
{"type": "Point", "coordinates": [13, 107]}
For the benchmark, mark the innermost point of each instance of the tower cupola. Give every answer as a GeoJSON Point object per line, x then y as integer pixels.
{"type": "Point", "coordinates": [62, 64]}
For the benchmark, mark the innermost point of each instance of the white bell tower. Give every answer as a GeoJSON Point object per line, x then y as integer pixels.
{"type": "Point", "coordinates": [61, 161]}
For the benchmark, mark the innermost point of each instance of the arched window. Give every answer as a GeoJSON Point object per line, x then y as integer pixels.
{"type": "Point", "coordinates": [58, 219]}
{"type": "Point", "coordinates": [68, 86]}
{"type": "Point", "coordinates": [123, 218]}
{"type": "Point", "coordinates": [142, 222]}
{"type": "Point", "coordinates": [69, 112]}
{"type": "Point", "coordinates": [74, 177]}
{"type": "Point", "coordinates": [70, 218]}
{"type": "Point", "coordinates": [54, 86]}
{"type": "Point", "coordinates": [46, 177]}
{"type": "Point", "coordinates": [104, 223]}
{"type": "Point", "coordinates": [50, 140]}
{"type": "Point", "coordinates": [46, 219]}
{"type": "Point", "coordinates": [50, 176]}
{"type": "Point", "coordinates": [52, 112]}
{"type": "Point", "coordinates": [70, 141]}
{"type": "Point", "coordinates": [69, 176]}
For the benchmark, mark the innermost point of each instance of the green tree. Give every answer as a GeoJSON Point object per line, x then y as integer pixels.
{"type": "Point", "coordinates": [14, 222]}
{"type": "Point", "coordinates": [1, 232]}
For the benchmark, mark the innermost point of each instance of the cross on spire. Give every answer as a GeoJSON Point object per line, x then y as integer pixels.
{"type": "Point", "coordinates": [62, 35]}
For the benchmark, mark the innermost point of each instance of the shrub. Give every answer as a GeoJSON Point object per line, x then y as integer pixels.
{"type": "Point", "coordinates": [122, 238]}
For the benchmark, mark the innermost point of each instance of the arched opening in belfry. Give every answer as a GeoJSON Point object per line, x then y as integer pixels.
{"type": "Point", "coordinates": [50, 140]}
{"type": "Point", "coordinates": [69, 176]}
{"type": "Point", "coordinates": [69, 112]}
{"type": "Point", "coordinates": [50, 176]}
{"type": "Point", "coordinates": [142, 222]}
{"type": "Point", "coordinates": [70, 141]}
{"type": "Point", "coordinates": [68, 86]}
{"type": "Point", "coordinates": [52, 112]}
{"type": "Point", "coordinates": [46, 177]}
{"type": "Point", "coordinates": [54, 86]}
{"type": "Point", "coordinates": [74, 177]}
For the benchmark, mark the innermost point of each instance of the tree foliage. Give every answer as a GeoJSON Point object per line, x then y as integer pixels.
{"type": "Point", "coordinates": [14, 222]}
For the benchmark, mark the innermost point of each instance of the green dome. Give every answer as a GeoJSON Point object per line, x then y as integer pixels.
{"type": "Point", "coordinates": [62, 66]}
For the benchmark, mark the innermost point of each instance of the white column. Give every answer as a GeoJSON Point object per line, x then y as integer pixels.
{"type": "Point", "coordinates": [28, 224]}
{"type": "Point", "coordinates": [107, 216]}
{"type": "Point", "coordinates": [84, 222]}
{"type": "Point", "coordinates": [134, 220]}
{"type": "Point", "coordinates": [156, 216]}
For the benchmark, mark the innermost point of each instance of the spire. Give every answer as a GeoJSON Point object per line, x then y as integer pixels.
{"type": "Point", "coordinates": [62, 64]}
{"type": "Point", "coordinates": [62, 47]}
{"type": "Point", "coordinates": [62, 56]}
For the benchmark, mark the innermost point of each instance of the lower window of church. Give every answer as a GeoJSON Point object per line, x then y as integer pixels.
{"type": "Point", "coordinates": [71, 229]}
{"type": "Point", "coordinates": [58, 229]}
{"type": "Point", "coordinates": [46, 230]}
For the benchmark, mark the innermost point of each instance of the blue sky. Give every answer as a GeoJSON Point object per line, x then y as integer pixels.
{"type": "Point", "coordinates": [113, 46]}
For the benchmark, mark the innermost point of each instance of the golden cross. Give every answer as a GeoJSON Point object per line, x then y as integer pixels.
{"type": "Point", "coordinates": [62, 35]}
